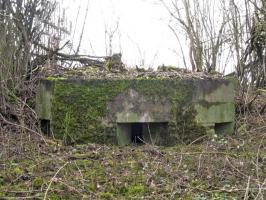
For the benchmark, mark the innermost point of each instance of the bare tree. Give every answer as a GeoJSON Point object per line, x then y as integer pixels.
{"type": "Point", "coordinates": [222, 32]}
{"type": "Point", "coordinates": [203, 27]}
{"type": "Point", "coordinates": [247, 27]}
{"type": "Point", "coordinates": [83, 26]}
{"type": "Point", "coordinates": [25, 26]}
{"type": "Point", "coordinates": [254, 57]}
{"type": "Point", "coordinates": [110, 33]}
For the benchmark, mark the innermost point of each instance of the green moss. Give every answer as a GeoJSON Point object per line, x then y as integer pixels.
{"type": "Point", "coordinates": [17, 171]}
{"type": "Point", "coordinates": [90, 187]}
{"type": "Point", "coordinates": [2, 181]}
{"type": "Point", "coordinates": [183, 126]}
{"type": "Point", "coordinates": [51, 78]}
{"type": "Point", "coordinates": [1, 194]}
{"type": "Point", "coordinates": [54, 197]}
{"type": "Point", "coordinates": [78, 109]}
{"type": "Point", "coordinates": [106, 195]}
{"type": "Point", "coordinates": [37, 182]}
{"type": "Point", "coordinates": [136, 190]}
{"type": "Point", "coordinates": [79, 106]}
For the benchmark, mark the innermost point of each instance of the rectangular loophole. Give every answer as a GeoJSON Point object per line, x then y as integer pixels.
{"type": "Point", "coordinates": [137, 133]}
{"type": "Point", "coordinates": [45, 126]}
{"type": "Point", "coordinates": [224, 128]}
{"type": "Point", "coordinates": [141, 133]}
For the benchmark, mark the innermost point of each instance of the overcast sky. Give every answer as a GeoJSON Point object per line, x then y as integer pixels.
{"type": "Point", "coordinates": [142, 34]}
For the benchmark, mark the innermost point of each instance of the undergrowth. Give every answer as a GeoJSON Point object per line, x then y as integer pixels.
{"type": "Point", "coordinates": [221, 167]}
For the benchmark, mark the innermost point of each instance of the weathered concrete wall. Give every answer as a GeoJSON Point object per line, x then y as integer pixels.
{"type": "Point", "coordinates": [214, 103]}
{"type": "Point", "coordinates": [171, 110]}
{"type": "Point", "coordinates": [132, 106]}
{"type": "Point", "coordinates": [44, 104]}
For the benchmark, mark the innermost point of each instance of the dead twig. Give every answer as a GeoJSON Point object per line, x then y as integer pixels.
{"type": "Point", "coordinates": [247, 189]}
{"type": "Point", "coordinates": [28, 129]}
{"type": "Point", "coordinates": [53, 179]}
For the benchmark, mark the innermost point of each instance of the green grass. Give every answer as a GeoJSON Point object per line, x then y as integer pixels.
{"type": "Point", "coordinates": [211, 170]}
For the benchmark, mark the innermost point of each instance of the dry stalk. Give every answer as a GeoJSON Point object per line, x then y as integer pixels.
{"type": "Point", "coordinates": [247, 189]}
{"type": "Point", "coordinates": [53, 179]}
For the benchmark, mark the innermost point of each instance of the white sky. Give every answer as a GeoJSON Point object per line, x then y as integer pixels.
{"type": "Point", "coordinates": [143, 32]}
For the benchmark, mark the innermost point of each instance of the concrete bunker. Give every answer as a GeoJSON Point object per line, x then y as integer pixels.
{"type": "Point", "coordinates": [127, 109]}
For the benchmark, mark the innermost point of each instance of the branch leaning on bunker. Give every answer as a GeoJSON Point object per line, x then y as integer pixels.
{"type": "Point", "coordinates": [110, 63]}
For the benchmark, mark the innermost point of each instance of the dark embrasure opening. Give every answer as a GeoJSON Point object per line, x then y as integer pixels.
{"type": "Point", "coordinates": [224, 128]}
{"type": "Point", "coordinates": [142, 133]}
{"type": "Point", "coordinates": [137, 133]}
{"type": "Point", "coordinates": [45, 126]}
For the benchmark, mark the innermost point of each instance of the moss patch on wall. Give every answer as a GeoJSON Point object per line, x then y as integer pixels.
{"type": "Point", "coordinates": [79, 107]}
{"type": "Point", "coordinates": [182, 126]}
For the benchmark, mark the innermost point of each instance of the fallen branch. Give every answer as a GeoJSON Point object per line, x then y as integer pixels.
{"type": "Point", "coordinates": [57, 55]}
{"type": "Point", "coordinates": [28, 129]}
